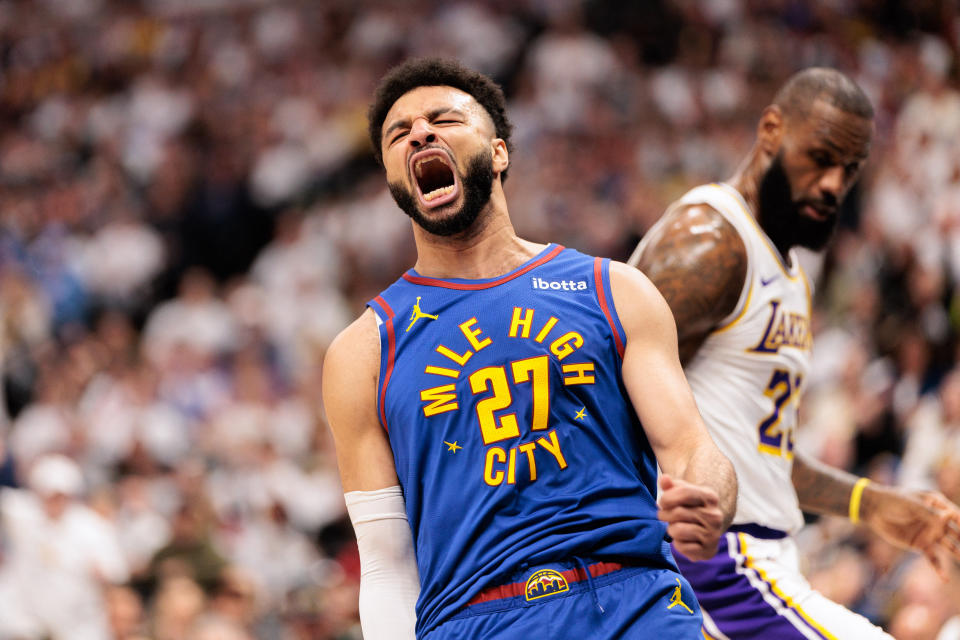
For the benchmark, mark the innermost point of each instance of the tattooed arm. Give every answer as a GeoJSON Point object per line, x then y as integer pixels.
{"type": "Point", "coordinates": [699, 263]}
{"type": "Point", "coordinates": [698, 487]}
{"type": "Point", "coordinates": [920, 520]}
{"type": "Point", "coordinates": [823, 489]}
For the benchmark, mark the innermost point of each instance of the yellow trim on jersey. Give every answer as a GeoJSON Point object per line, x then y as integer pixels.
{"type": "Point", "coordinates": [806, 284]}
{"type": "Point", "coordinates": [743, 312]}
{"type": "Point", "coordinates": [756, 225]}
{"type": "Point", "coordinates": [706, 635]}
{"type": "Point", "coordinates": [749, 564]}
{"type": "Point", "coordinates": [766, 448]}
{"type": "Point", "coordinates": [746, 303]}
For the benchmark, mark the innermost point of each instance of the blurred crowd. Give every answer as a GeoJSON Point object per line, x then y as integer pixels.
{"type": "Point", "coordinates": [189, 212]}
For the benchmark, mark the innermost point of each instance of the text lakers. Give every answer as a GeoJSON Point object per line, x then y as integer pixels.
{"type": "Point", "coordinates": [519, 387]}
{"type": "Point", "coordinates": [784, 330]}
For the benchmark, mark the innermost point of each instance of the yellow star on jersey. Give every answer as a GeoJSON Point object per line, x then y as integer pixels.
{"type": "Point", "coordinates": [452, 446]}
{"type": "Point", "coordinates": [581, 414]}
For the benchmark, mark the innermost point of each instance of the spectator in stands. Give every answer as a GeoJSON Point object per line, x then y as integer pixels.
{"type": "Point", "coordinates": [61, 556]}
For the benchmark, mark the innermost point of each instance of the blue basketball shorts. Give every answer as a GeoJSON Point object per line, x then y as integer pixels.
{"type": "Point", "coordinates": [558, 602]}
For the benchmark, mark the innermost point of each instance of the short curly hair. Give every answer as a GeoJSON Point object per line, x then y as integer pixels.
{"type": "Point", "coordinates": [434, 72]}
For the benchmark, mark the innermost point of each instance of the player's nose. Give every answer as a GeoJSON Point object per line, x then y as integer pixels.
{"type": "Point", "coordinates": [832, 181]}
{"type": "Point", "coordinates": [421, 133]}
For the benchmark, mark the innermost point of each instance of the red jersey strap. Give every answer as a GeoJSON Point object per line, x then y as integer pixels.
{"type": "Point", "coordinates": [600, 267]}
{"type": "Point", "coordinates": [485, 284]}
{"type": "Point", "coordinates": [386, 368]}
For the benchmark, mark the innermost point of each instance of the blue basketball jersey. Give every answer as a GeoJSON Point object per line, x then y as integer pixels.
{"type": "Point", "coordinates": [513, 436]}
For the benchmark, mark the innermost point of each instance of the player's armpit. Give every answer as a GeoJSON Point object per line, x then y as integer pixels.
{"type": "Point", "coordinates": [698, 262]}
{"type": "Point", "coordinates": [660, 394]}
{"type": "Point", "coordinates": [350, 371]}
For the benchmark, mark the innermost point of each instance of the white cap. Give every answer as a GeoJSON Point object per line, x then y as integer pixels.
{"type": "Point", "coordinates": [54, 474]}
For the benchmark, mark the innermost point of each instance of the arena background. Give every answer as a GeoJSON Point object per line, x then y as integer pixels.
{"type": "Point", "coordinates": [190, 213]}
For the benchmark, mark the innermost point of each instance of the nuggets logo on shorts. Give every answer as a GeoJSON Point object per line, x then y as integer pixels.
{"type": "Point", "coordinates": [545, 582]}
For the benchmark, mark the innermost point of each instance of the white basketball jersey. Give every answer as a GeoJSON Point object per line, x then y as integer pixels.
{"type": "Point", "coordinates": [748, 374]}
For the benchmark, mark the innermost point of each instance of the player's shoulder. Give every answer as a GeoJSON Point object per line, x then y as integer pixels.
{"type": "Point", "coordinates": [636, 298]}
{"type": "Point", "coordinates": [698, 261]}
{"type": "Point", "coordinates": [693, 237]}
{"type": "Point", "coordinates": [699, 224]}
{"type": "Point", "coordinates": [625, 277]}
{"type": "Point", "coordinates": [356, 349]}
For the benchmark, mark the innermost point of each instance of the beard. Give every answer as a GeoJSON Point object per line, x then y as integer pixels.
{"type": "Point", "coordinates": [781, 216]}
{"type": "Point", "coordinates": [477, 184]}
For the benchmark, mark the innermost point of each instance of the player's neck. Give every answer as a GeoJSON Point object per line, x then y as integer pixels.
{"type": "Point", "coordinates": [747, 178]}
{"type": "Point", "coordinates": [490, 249]}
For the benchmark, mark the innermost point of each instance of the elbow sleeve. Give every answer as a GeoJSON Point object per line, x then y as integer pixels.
{"type": "Point", "coordinates": [389, 582]}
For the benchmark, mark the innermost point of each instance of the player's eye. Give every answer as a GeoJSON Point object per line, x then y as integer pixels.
{"type": "Point", "coordinates": [821, 159]}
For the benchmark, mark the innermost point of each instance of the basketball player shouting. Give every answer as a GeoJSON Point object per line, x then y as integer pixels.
{"type": "Point", "coordinates": [507, 404]}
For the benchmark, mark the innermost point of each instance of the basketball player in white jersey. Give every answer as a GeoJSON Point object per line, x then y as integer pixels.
{"type": "Point", "coordinates": [723, 258]}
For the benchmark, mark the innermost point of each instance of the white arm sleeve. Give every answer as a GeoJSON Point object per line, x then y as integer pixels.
{"type": "Point", "coordinates": [389, 582]}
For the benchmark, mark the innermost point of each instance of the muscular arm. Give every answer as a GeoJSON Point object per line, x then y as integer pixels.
{"type": "Point", "coordinates": [350, 371]}
{"type": "Point", "coordinates": [823, 489]}
{"type": "Point", "coordinates": [920, 520]}
{"type": "Point", "coordinates": [700, 489]}
{"type": "Point", "coordinates": [389, 582]}
{"type": "Point", "coordinates": [698, 262]}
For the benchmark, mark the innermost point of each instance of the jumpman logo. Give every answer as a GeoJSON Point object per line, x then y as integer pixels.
{"type": "Point", "coordinates": [417, 314]}
{"type": "Point", "coordinates": [677, 599]}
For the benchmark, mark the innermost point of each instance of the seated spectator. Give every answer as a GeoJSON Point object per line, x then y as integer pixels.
{"type": "Point", "coordinates": [60, 555]}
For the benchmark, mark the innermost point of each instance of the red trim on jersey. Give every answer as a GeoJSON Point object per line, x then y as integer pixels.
{"type": "Point", "coordinates": [520, 588]}
{"type": "Point", "coordinates": [602, 299]}
{"type": "Point", "coordinates": [391, 354]}
{"type": "Point", "coordinates": [474, 286]}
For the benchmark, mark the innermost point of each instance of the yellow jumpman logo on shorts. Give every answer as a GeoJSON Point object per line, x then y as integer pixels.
{"type": "Point", "coordinates": [417, 314]}
{"type": "Point", "coordinates": [676, 598]}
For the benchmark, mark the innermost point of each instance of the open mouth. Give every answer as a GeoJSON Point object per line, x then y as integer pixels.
{"type": "Point", "coordinates": [435, 178]}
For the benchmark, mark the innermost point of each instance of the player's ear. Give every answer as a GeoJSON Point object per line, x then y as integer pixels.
{"type": "Point", "coordinates": [501, 157]}
{"type": "Point", "coordinates": [770, 130]}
